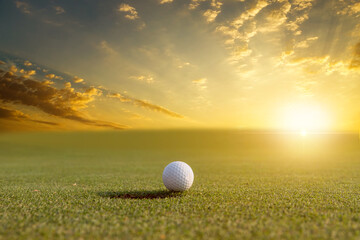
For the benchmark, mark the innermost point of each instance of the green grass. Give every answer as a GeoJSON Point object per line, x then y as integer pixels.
{"type": "Point", "coordinates": [108, 185]}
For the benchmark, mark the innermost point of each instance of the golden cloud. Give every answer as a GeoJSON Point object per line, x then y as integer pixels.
{"type": "Point", "coordinates": [195, 3]}
{"type": "Point", "coordinates": [210, 15]}
{"type": "Point", "coordinates": [48, 82]}
{"type": "Point", "coordinates": [50, 76]}
{"type": "Point", "coordinates": [199, 81]}
{"type": "Point", "coordinates": [305, 43]}
{"type": "Point", "coordinates": [130, 11]}
{"type": "Point", "coordinates": [311, 60]}
{"type": "Point", "coordinates": [350, 9]}
{"type": "Point", "coordinates": [249, 14]}
{"type": "Point", "coordinates": [300, 5]}
{"type": "Point", "coordinates": [216, 4]}
{"type": "Point", "coordinates": [27, 63]}
{"type": "Point", "coordinates": [148, 79]}
{"type": "Point", "coordinates": [27, 73]}
{"type": "Point", "coordinates": [92, 91]}
{"type": "Point", "coordinates": [276, 17]}
{"type": "Point", "coordinates": [294, 25]}
{"type": "Point", "coordinates": [355, 62]}
{"type": "Point", "coordinates": [316, 64]}
{"type": "Point", "coordinates": [64, 103]}
{"type": "Point", "coordinates": [120, 97]}
{"type": "Point", "coordinates": [241, 29]}
{"type": "Point", "coordinates": [13, 69]}
{"type": "Point", "coordinates": [77, 79]}
{"type": "Point", "coordinates": [165, 1]}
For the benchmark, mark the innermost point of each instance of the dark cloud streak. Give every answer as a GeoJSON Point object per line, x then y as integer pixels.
{"type": "Point", "coordinates": [144, 104]}
{"type": "Point", "coordinates": [15, 115]}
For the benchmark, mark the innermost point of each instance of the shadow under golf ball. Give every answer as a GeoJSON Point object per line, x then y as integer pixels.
{"type": "Point", "coordinates": [155, 194]}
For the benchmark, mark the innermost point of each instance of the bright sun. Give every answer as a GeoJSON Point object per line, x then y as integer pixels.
{"type": "Point", "coordinates": [305, 119]}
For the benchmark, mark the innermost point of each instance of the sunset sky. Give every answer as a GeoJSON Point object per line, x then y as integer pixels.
{"type": "Point", "coordinates": [246, 64]}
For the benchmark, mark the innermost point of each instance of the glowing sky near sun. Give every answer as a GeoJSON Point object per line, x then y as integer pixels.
{"type": "Point", "coordinates": [257, 64]}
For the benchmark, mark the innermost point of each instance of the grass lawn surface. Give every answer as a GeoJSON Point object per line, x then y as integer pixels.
{"type": "Point", "coordinates": [248, 185]}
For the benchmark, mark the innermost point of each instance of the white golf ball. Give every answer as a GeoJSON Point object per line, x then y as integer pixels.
{"type": "Point", "coordinates": [178, 176]}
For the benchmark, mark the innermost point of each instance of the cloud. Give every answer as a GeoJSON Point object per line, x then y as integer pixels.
{"type": "Point", "coordinates": [305, 43]}
{"type": "Point", "coordinates": [27, 73]}
{"type": "Point", "coordinates": [13, 69]}
{"type": "Point", "coordinates": [293, 25]}
{"type": "Point", "coordinates": [27, 63]}
{"type": "Point", "coordinates": [105, 47]}
{"type": "Point", "coordinates": [119, 96]}
{"type": "Point", "coordinates": [64, 103]}
{"type": "Point", "coordinates": [67, 85]}
{"type": "Point", "coordinates": [318, 64]}
{"type": "Point", "coordinates": [11, 114]}
{"type": "Point", "coordinates": [300, 5]}
{"type": "Point", "coordinates": [355, 62]}
{"type": "Point", "coordinates": [93, 91]}
{"type": "Point", "coordinates": [201, 82]}
{"type": "Point", "coordinates": [77, 79]}
{"type": "Point", "coordinates": [144, 104]}
{"type": "Point", "coordinates": [238, 40]}
{"type": "Point", "coordinates": [182, 65]}
{"type": "Point", "coordinates": [48, 82]}
{"type": "Point", "coordinates": [195, 3]}
{"type": "Point", "coordinates": [275, 17]}
{"type": "Point", "coordinates": [130, 11]}
{"type": "Point", "coordinates": [31, 72]}
{"type": "Point", "coordinates": [59, 10]}
{"type": "Point", "coordinates": [156, 108]}
{"type": "Point", "coordinates": [231, 33]}
{"type": "Point", "coordinates": [50, 22]}
{"type": "Point", "coordinates": [52, 76]}
{"type": "Point", "coordinates": [355, 8]}
{"type": "Point", "coordinates": [15, 115]}
{"type": "Point", "coordinates": [240, 30]}
{"type": "Point", "coordinates": [299, 13]}
{"type": "Point", "coordinates": [210, 15]}
{"type": "Point", "coordinates": [311, 60]}
{"type": "Point", "coordinates": [249, 14]}
{"type": "Point", "coordinates": [165, 1]}
{"type": "Point", "coordinates": [148, 79]}
{"type": "Point", "coordinates": [350, 9]}
{"type": "Point", "coordinates": [23, 7]}
{"type": "Point", "coordinates": [216, 4]}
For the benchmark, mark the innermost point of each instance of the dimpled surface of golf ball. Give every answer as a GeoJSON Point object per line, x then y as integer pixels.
{"type": "Point", "coordinates": [178, 176]}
